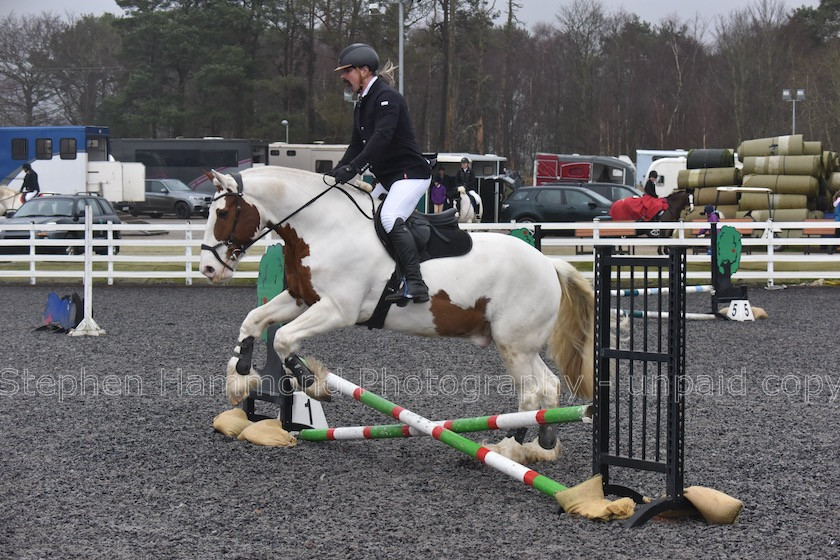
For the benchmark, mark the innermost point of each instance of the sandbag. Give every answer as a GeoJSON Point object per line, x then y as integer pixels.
{"type": "Point", "coordinates": [587, 500]}
{"type": "Point", "coordinates": [710, 158]}
{"type": "Point", "coordinates": [715, 506]}
{"type": "Point", "coordinates": [231, 422]}
{"type": "Point", "coordinates": [711, 177]}
{"type": "Point", "coordinates": [710, 195]}
{"type": "Point", "coordinates": [784, 184]}
{"type": "Point", "coordinates": [758, 201]}
{"type": "Point", "coordinates": [812, 148]}
{"type": "Point", "coordinates": [783, 165]}
{"type": "Point", "coordinates": [268, 432]}
{"type": "Point", "coordinates": [791, 145]}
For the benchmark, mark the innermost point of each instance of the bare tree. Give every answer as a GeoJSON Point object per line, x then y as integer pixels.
{"type": "Point", "coordinates": [582, 27]}
{"type": "Point", "coordinates": [26, 76]}
{"type": "Point", "coordinates": [85, 67]}
{"type": "Point", "coordinates": [755, 55]}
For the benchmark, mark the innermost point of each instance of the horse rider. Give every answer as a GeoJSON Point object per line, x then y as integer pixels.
{"type": "Point", "coordinates": [30, 187]}
{"type": "Point", "coordinates": [383, 138]}
{"type": "Point", "coordinates": [650, 185]}
{"type": "Point", "coordinates": [466, 178]}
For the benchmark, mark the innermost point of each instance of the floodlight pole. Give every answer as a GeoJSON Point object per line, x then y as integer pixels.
{"type": "Point", "coordinates": [799, 95]}
{"type": "Point", "coordinates": [378, 8]}
{"type": "Point", "coordinates": [402, 44]}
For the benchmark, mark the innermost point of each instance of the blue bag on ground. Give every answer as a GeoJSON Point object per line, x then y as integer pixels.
{"type": "Point", "coordinates": [63, 313]}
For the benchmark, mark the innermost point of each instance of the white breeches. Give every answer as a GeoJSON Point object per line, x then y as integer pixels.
{"type": "Point", "coordinates": [401, 200]}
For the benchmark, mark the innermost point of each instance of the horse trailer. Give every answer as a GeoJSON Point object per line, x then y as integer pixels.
{"type": "Point", "coordinates": [551, 168]}
{"type": "Point", "coordinates": [68, 160]}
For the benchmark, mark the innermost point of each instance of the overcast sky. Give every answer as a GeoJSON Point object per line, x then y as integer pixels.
{"type": "Point", "coordinates": [532, 12]}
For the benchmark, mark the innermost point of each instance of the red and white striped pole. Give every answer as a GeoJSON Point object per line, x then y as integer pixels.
{"type": "Point", "coordinates": [498, 461]}
{"type": "Point", "coordinates": [507, 421]}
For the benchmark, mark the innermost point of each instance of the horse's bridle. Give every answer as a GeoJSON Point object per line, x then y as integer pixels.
{"type": "Point", "coordinates": [238, 249]}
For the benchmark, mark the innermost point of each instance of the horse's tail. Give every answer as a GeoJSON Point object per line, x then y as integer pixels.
{"type": "Point", "coordinates": [571, 345]}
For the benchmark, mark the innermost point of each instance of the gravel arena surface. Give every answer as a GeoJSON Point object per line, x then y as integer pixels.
{"type": "Point", "coordinates": [108, 450]}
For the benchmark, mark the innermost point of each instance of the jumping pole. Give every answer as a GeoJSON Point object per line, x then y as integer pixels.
{"type": "Point", "coordinates": [459, 425]}
{"type": "Point", "coordinates": [664, 290]}
{"type": "Point", "coordinates": [642, 314]}
{"type": "Point", "coordinates": [425, 426]}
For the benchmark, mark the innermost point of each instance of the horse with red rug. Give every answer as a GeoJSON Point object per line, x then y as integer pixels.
{"type": "Point", "coordinates": [648, 208]}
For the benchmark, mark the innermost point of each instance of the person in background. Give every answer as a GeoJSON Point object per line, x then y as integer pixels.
{"type": "Point", "coordinates": [836, 203]}
{"type": "Point", "coordinates": [713, 216]}
{"type": "Point", "coordinates": [650, 185]}
{"type": "Point", "coordinates": [465, 178]}
{"type": "Point", "coordinates": [383, 139]}
{"type": "Point", "coordinates": [446, 181]}
{"type": "Point", "coordinates": [30, 188]}
{"type": "Point", "coordinates": [438, 194]}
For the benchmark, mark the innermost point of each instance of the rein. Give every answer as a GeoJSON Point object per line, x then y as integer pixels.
{"type": "Point", "coordinates": [238, 249]}
{"type": "Point", "coordinates": [9, 197]}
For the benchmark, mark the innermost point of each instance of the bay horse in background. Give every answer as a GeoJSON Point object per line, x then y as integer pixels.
{"type": "Point", "coordinates": [502, 291]}
{"type": "Point", "coordinates": [649, 209]}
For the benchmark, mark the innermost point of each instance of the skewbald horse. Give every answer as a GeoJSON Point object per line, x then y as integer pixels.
{"type": "Point", "coordinates": [503, 291]}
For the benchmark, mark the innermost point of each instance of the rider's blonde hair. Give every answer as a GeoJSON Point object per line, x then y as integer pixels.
{"type": "Point", "coordinates": [387, 72]}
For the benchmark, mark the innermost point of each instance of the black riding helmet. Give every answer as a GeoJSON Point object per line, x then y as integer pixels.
{"type": "Point", "coordinates": [358, 55]}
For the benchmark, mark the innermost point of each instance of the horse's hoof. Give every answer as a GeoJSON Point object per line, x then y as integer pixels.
{"type": "Point", "coordinates": [548, 436]}
{"type": "Point", "coordinates": [238, 387]}
{"type": "Point", "coordinates": [518, 434]}
{"type": "Point", "coordinates": [245, 352]}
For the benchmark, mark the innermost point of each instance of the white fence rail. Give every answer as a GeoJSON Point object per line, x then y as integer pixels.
{"type": "Point", "coordinates": [172, 251]}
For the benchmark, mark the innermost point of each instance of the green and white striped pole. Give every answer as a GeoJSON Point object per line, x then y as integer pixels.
{"type": "Point", "coordinates": [499, 462]}
{"type": "Point", "coordinates": [508, 421]}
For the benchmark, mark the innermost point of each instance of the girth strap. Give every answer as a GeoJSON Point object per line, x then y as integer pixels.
{"type": "Point", "coordinates": [377, 318]}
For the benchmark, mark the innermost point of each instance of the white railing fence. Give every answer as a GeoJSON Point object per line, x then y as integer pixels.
{"type": "Point", "coordinates": [171, 252]}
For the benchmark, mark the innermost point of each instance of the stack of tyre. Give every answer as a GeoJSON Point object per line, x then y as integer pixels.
{"type": "Point", "coordinates": [801, 175]}
{"type": "Point", "coordinates": [706, 170]}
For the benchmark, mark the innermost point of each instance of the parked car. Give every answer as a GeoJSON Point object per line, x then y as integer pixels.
{"type": "Point", "coordinates": [59, 209]}
{"type": "Point", "coordinates": [610, 191]}
{"type": "Point", "coordinates": [170, 196]}
{"type": "Point", "coordinates": [554, 204]}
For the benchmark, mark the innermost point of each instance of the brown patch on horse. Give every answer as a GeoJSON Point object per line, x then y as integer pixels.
{"type": "Point", "coordinates": [453, 320]}
{"type": "Point", "coordinates": [241, 227]}
{"type": "Point", "coordinates": [298, 277]}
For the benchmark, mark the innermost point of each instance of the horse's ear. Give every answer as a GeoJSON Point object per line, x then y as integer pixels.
{"type": "Point", "coordinates": [219, 180]}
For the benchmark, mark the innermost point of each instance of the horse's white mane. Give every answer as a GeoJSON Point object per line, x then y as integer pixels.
{"type": "Point", "coordinates": [318, 179]}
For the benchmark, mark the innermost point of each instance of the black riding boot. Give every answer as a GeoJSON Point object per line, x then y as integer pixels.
{"type": "Point", "coordinates": [405, 251]}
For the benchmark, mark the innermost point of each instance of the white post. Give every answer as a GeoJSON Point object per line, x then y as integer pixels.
{"type": "Point", "coordinates": [32, 253]}
{"type": "Point", "coordinates": [768, 236]}
{"type": "Point", "coordinates": [88, 326]}
{"type": "Point", "coordinates": [189, 253]}
{"type": "Point", "coordinates": [110, 253]}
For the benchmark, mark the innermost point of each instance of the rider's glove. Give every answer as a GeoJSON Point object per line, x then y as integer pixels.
{"type": "Point", "coordinates": [344, 173]}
